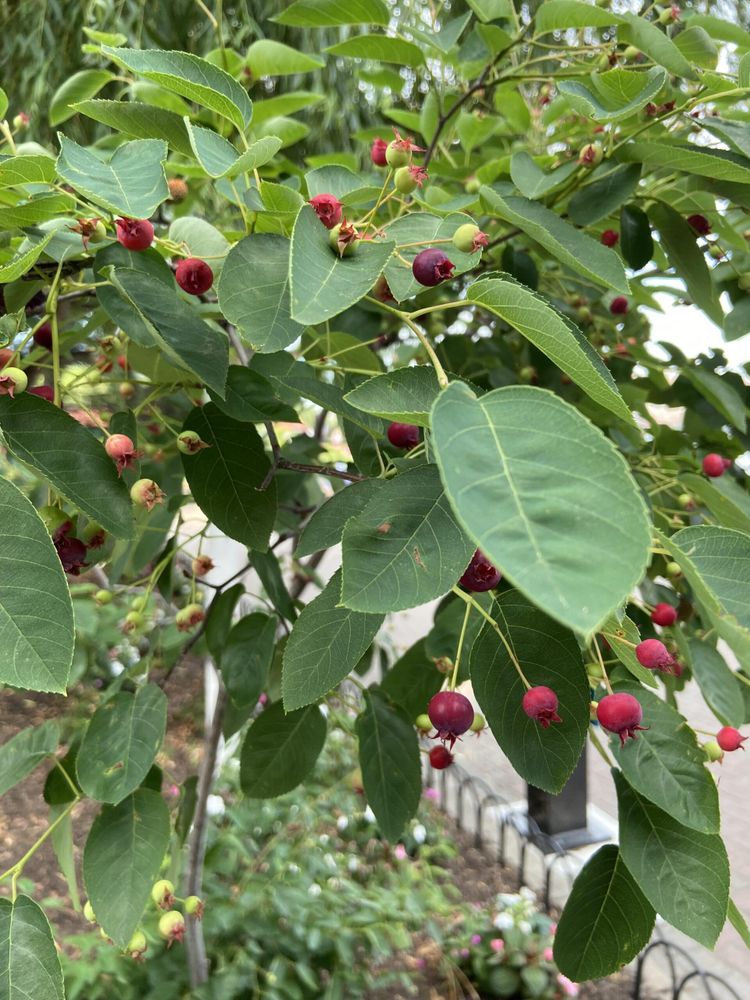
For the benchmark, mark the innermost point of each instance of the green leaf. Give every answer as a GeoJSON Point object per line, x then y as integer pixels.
{"type": "Point", "coordinates": [268, 58]}
{"type": "Point", "coordinates": [604, 195]}
{"type": "Point", "coordinates": [266, 565]}
{"type": "Point", "coordinates": [301, 379]}
{"type": "Point", "coordinates": [719, 393]}
{"type": "Point", "coordinates": [692, 890]}
{"type": "Point", "coordinates": [259, 308]}
{"type": "Point", "coordinates": [122, 859]}
{"type": "Point", "coordinates": [405, 548]}
{"type": "Point", "coordinates": [121, 742]}
{"type": "Point", "coordinates": [553, 334]}
{"type": "Point", "coordinates": [29, 963]}
{"type": "Point", "coordinates": [25, 751]}
{"type": "Point", "coordinates": [405, 394]}
{"type": "Point", "coordinates": [71, 459]}
{"type": "Point", "coordinates": [40, 209]}
{"type": "Point", "coordinates": [258, 154]}
{"type": "Point", "coordinates": [717, 682]}
{"type": "Point", "coordinates": [325, 527]}
{"type": "Point", "coordinates": [614, 95]}
{"type": "Point", "coordinates": [130, 183]}
{"type": "Point", "coordinates": [61, 839]}
{"type": "Point", "coordinates": [3, 102]}
{"type": "Point", "coordinates": [175, 326]}
{"type": "Point", "coordinates": [606, 920]}
{"type": "Point", "coordinates": [666, 765]}
{"type": "Point", "coordinates": [716, 164]}
{"type": "Point", "coordinates": [326, 643]}
{"type": "Point", "coordinates": [190, 77]}
{"type": "Point", "coordinates": [219, 619]}
{"type": "Point", "coordinates": [412, 680]}
{"type": "Point", "coordinates": [246, 658]}
{"type": "Point", "coordinates": [559, 494]}
{"type": "Point", "coordinates": [214, 153]}
{"type": "Point", "coordinates": [321, 283]}
{"type": "Point", "coordinates": [735, 134]}
{"type": "Point", "coordinates": [724, 497]}
{"type": "Point", "coordinates": [144, 121]}
{"type": "Point", "coordinates": [490, 10]}
{"type": "Point", "coordinates": [697, 46]}
{"type": "Point", "coordinates": [224, 478]}
{"type": "Point", "coordinates": [330, 13]}
{"type": "Point", "coordinates": [338, 181]}
{"type": "Point", "coordinates": [679, 242]}
{"type": "Point", "coordinates": [127, 314]}
{"type": "Point", "coordinates": [636, 242]}
{"type": "Point", "coordinates": [580, 252]}
{"type": "Point", "coordinates": [389, 760]}
{"type": "Point", "coordinates": [422, 228]}
{"type": "Point", "coordinates": [381, 48]}
{"type": "Point", "coordinates": [556, 15]}
{"type": "Point", "coordinates": [532, 181]}
{"type": "Point", "coordinates": [651, 40]}
{"type": "Point", "coordinates": [78, 87]}
{"type": "Point", "coordinates": [250, 398]}
{"type": "Point", "coordinates": [18, 265]}
{"type": "Point", "coordinates": [284, 104]}
{"type": "Point", "coordinates": [201, 240]}
{"type": "Point", "coordinates": [30, 168]}
{"type": "Point", "coordinates": [280, 750]}
{"type": "Point", "coordinates": [550, 655]}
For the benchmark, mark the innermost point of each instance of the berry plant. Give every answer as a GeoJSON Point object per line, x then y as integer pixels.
{"type": "Point", "coordinates": [432, 348]}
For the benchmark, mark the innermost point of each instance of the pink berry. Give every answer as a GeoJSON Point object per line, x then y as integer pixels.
{"type": "Point", "coordinates": [610, 237]}
{"type": "Point", "coordinates": [134, 234]}
{"type": "Point", "coordinates": [194, 276]}
{"type": "Point", "coordinates": [622, 714]}
{"type": "Point", "coordinates": [618, 306]}
{"type": "Point", "coordinates": [664, 615]}
{"type": "Point", "coordinates": [328, 209]}
{"type": "Point", "coordinates": [480, 574]}
{"type": "Point", "coordinates": [541, 703]}
{"type": "Point", "coordinates": [654, 655]}
{"type": "Point", "coordinates": [121, 450]}
{"type": "Point", "coordinates": [730, 739]}
{"type": "Point", "coordinates": [440, 758]}
{"type": "Point", "coordinates": [43, 336]}
{"type": "Point", "coordinates": [714, 465]}
{"type": "Point", "coordinates": [404, 436]}
{"type": "Point", "coordinates": [431, 266]}
{"type": "Point", "coordinates": [44, 392]}
{"type": "Point", "coordinates": [451, 714]}
{"type": "Point", "coordinates": [700, 224]}
{"type": "Point", "coordinates": [377, 152]}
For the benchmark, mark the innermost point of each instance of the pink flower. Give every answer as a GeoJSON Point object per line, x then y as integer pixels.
{"type": "Point", "coordinates": [399, 852]}
{"type": "Point", "coordinates": [432, 794]}
{"type": "Point", "coordinates": [476, 938]}
{"type": "Point", "coordinates": [570, 989]}
{"type": "Point", "coordinates": [547, 954]}
{"type": "Point", "coordinates": [497, 944]}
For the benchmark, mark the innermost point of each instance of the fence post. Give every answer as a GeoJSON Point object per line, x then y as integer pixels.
{"type": "Point", "coordinates": [564, 817]}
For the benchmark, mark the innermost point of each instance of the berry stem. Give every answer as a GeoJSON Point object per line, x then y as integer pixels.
{"type": "Point", "coordinates": [456, 662]}
{"type": "Point", "coordinates": [491, 621]}
{"type": "Point", "coordinates": [593, 735]}
{"type": "Point", "coordinates": [598, 652]}
{"type": "Point", "coordinates": [51, 308]}
{"type": "Point", "coordinates": [16, 870]}
{"type": "Point", "coordinates": [405, 318]}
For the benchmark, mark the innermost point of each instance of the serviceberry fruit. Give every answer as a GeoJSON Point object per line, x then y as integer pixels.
{"type": "Point", "coordinates": [202, 565]}
{"type": "Point", "coordinates": [480, 574]}
{"type": "Point", "coordinates": [591, 155]}
{"type": "Point", "coordinates": [88, 912]}
{"type": "Point", "coordinates": [478, 724]}
{"type": "Point", "coordinates": [121, 450]}
{"type": "Point", "coordinates": [398, 153]}
{"type": "Point", "coordinates": [654, 655]}
{"type": "Point", "coordinates": [146, 493]}
{"type": "Point", "coordinates": [13, 382]}
{"type": "Point", "coordinates": [469, 238]}
{"type": "Point", "coordinates": [188, 617]}
{"type": "Point", "coordinates": [620, 713]}
{"type": "Point", "coordinates": [5, 355]}
{"type": "Point", "coordinates": [178, 189]}
{"type": "Point", "coordinates": [70, 550]}
{"type": "Point", "coordinates": [162, 893]}
{"type": "Point", "coordinates": [440, 758]}
{"type": "Point", "coordinates": [134, 622]}
{"type": "Point", "coordinates": [134, 234]}
{"type": "Point", "coordinates": [404, 436]}
{"type": "Point", "coordinates": [664, 615]}
{"type": "Point", "coordinates": [541, 703]}
{"type": "Point", "coordinates": [670, 14]}
{"type": "Point", "coordinates": [610, 237]}
{"type": "Point", "coordinates": [730, 739]}
{"type": "Point", "coordinates": [172, 927]}
{"type": "Point", "coordinates": [344, 239]}
{"type": "Point", "coordinates": [451, 713]}
{"type": "Point", "coordinates": [43, 336]}
{"type": "Point", "coordinates": [103, 597]}
{"type": "Point", "coordinates": [423, 722]}
{"type": "Point", "coordinates": [713, 751]}
{"type": "Point", "coordinates": [699, 224]}
{"type": "Point", "coordinates": [137, 946]}
{"type": "Point", "coordinates": [194, 907]}
{"type": "Point", "coordinates": [619, 305]}
{"type": "Point", "coordinates": [189, 442]}
{"type": "Point", "coordinates": [431, 266]}
{"type": "Point", "coordinates": [714, 465]}
{"type": "Point", "coordinates": [409, 178]}
{"type": "Point", "coordinates": [194, 276]}
{"type": "Point", "coordinates": [328, 209]}
{"type": "Point", "coordinates": [377, 152]}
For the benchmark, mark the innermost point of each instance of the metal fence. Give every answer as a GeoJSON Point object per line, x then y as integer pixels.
{"type": "Point", "coordinates": [663, 970]}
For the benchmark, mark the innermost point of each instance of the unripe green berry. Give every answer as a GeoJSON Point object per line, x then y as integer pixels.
{"type": "Point", "coordinates": [189, 443]}
{"type": "Point", "coordinates": [138, 603]}
{"type": "Point", "coordinates": [134, 621]}
{"type": "Point", "coordinates": [13, 381]}
{"type": "Point", "coordinates": [595, 671]}
{"type": "Point", "coordinates": [137, 945]}
{"type": "Point", "coordinates": [172, 926]}
{"type": "Point", "coordinates": [423, 722]}
{"type": "Point", "coordinates": [478, 723]}
{"type": "Point", "coordinates": [103, 597]}
{"type": "Point", "coordinates": [99, 233]}
{"type": "Point", "coordinates": [632, 52]}
{"type": "Point", "coordinates": [527, 374]}
{"type": "Point", "coordinates": [396, 156]}
{"type": "Point", "coordinates": [673, 569]}
{"type": "Point", "coordinates": [88, 912]}
{"type": "Point", "coordinates": [713, 751]}
{"type": "Point", "coordinates": [669, 15]}
{"type": "Point", "coordinates": [744, 281]}
{"type": "Point", "coordinates": [188, 617]}
{"type": "Point", "coordinates": [404, 181]}
{"type": "Point", "coordinates": [469, 238]}
{"type": "Point", "coordinates": [162, 893]}
{"type": "Point", "coordinates": [194, 907]}
{"type": "Point", "coordinates": [343, 239]}
{"type": "Point", "coordinates": [686, 501]}
{"type": "Point", "coordinates": [146, 493]}
{"type": "Point", "coordinates": [472, 185]}
{"type": "Point", "coordinates": [591, 155]}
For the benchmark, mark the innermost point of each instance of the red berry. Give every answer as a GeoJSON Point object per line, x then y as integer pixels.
{"type": "Point", "coordinates": [622, 714]}
{"type": "Point", "coordinates": [194, 276]}
{"type": "Point", "coordinates": [5, 355]}
{"type": "Point", "coordinates": [134, 234]}
{"type": "Point", "coordinates": [43, 336]}
{"type": "Point", "coordinates": [700, 224]}
{"type": "Point", "coordinates": [403, 436]}
{"type": "Point", "coordinates": [541, 703]}
{"type": "Point", "coordinates": [610, 237]}
{"type": "Point", "coordinates": [328, 208]}
{"type": "Point", "coordinates": [440, 758]}
{"type": "Point", "coordinates": [431, 266]}
{"type": "Point", "coordinates": [730, 739]}
{"type": "Point", "coordinates": [71, 551]}
{"type": "Point", "coordinates": [44, 391]}
{"type": "Point", "coordinates": [664, 615]}
{"type": "Point", "coordinates": [654, 655]}
{"type": "Point", "coordinates": [377, 152]}
{"type": "Point", "coordinates": [714, 465]}
{"type": "Point", "coordinates": [480, 574]}
{"type": "Point", "coordinates": [451, 714]}
{"type": "Point", "coordinates": [121, 450]}
{"type": "Point", "coordinates": [618, 306]}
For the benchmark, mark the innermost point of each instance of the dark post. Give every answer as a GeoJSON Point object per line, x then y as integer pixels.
{"type": "Point", "coordinates": [564, 816]}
